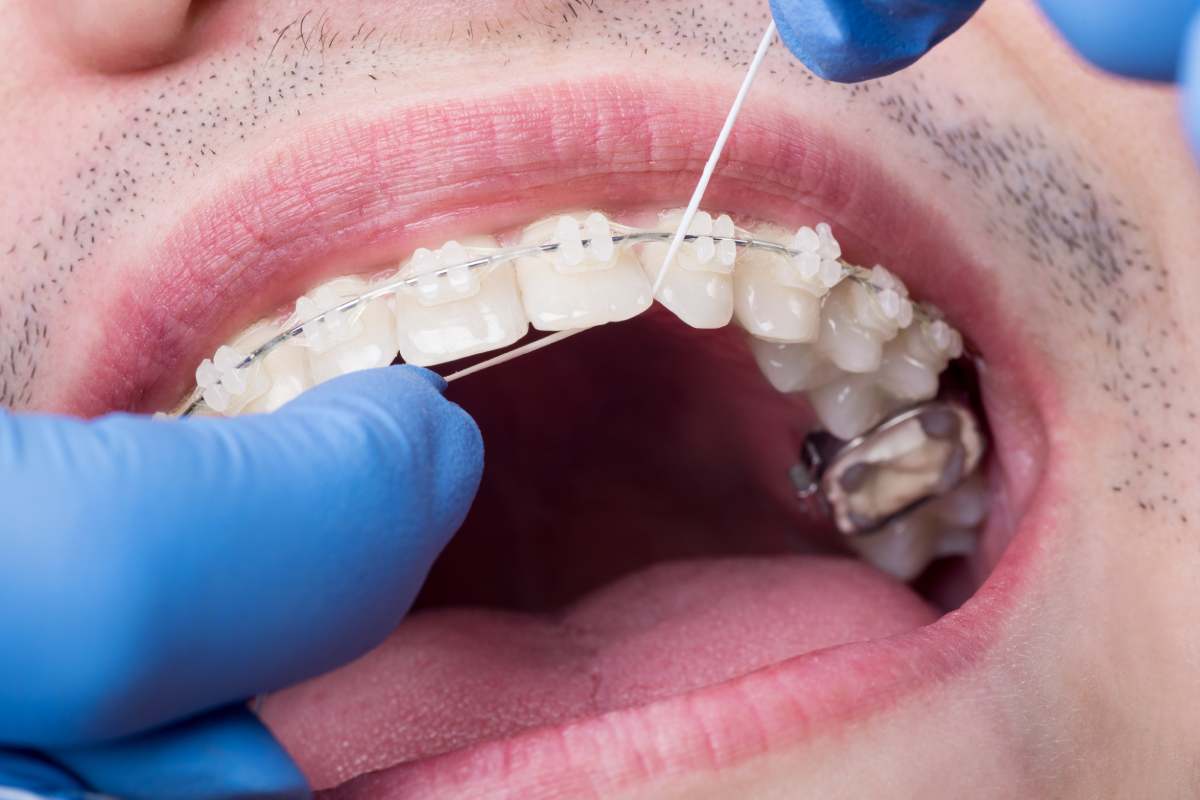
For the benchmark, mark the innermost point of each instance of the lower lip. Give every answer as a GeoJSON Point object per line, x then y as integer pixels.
{"type": "Point", "coordinates": [729, 724]}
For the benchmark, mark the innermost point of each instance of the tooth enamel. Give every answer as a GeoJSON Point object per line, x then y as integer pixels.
{"type": "Point", "coordinates": [942, 527]}
{"type": "Point", "coordinates": [848, 405]}
{"type": "Point", "coordinates": [699, 287]}
{"type": "Point", "coordinates": [912, 363]}
{"type": "Point", "coordinates": [346, 341]}
{"type": "Point", "coordinates": [561, 293]}
{"type": "Point", "coordinates": [284, 369]}
{"type": "Point", "coordinates": [787, 310]}
{"type": "Point", "coordinates": [469, 311]}
{"type": "Point", "coordinates": [852, 331]}
{"type": "Point", "coordinates": [792, 367]}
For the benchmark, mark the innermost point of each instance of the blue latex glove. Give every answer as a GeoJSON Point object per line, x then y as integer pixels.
{"type": "Point", "coordinates": [855, 40]}
{"type": "Point", "coordinates": [157, 570]}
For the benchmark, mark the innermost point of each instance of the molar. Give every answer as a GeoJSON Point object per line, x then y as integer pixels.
{"type": "Point", "coordinates": [579, 286]}
{"type": "Point", "coordinates": [468, 311]}
{"type": "Point", "coordinates": [346, 341]}
{"type": "Point", "coordinates": [945, 526]}
{"type": "Point", "coordinates": [699, 287]}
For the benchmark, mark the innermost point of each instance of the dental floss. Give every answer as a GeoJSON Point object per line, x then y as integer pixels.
{"type": "Point", "coordinates": [718, 148]}
{"type": "Point", "coordinates": [680, 232]}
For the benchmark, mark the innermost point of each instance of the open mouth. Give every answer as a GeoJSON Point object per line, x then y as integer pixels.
{"type": "Point", "coordinates": [637, 550]}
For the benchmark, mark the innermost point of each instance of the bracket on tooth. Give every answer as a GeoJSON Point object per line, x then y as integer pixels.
{"type": "Point", "coordinates": [329, 326]}
{"type": "Point", "coordinates": [815, 265]}
{"type": "Point", "coordinates": [581, 248]}
{"type": "Point", "coordinates": [228, 377]}
{"type": "Point", "coordinates": [442, 275]}
{"type": "Point", "coordinates": [327, 318]}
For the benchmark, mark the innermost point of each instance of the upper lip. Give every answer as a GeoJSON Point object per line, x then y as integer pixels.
{"type": "Point", "coordinates": [349, 194]}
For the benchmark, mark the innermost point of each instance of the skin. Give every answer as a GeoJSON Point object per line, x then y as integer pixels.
{"type": "Point", "coordinates": [1075, 189]}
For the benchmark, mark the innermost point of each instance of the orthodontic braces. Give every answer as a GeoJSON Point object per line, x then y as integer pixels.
{"type": "Point", "coordinates": [622, 235]}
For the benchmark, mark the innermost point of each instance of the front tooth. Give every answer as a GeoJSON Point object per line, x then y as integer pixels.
{"type": "Point", "coordinates": [792, 367]}
{"type": "Point", "coordinates": [849, 405]}
{"type": "Point", "coordinates": [346, 341]}
{"type": "Point", "coordinates": [768, 302]}
{"type": "Point", "coordinates": [579, 287]}
{"type": "Point", "coordinates": [699, 286]}
{"type": "Point", "coordinates": [467, 312]}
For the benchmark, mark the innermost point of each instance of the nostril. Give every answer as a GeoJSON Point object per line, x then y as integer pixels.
{"type": "Point", "coordinates": [119, 35]}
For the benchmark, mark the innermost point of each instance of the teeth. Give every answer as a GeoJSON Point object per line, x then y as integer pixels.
{"type": "Point", "coordinates": [285, 369]}
{"type": "Point", "coordinates": [775, 298]}
{"type": "Point", "coordinates": [226, 388]}
{"type": "Point", "coordinates": [853, 330]}
{"type": "Point", "coordinates": [699, 287]}
{"type": "Point", "coordinates": [462, 314]}
{"type": "Point", "coordinates": [942, 527]}
{"type": "Point", "coordinates": [579, 286]}
{"type": "Point", "coordinates": [913, 360]}
{"type": "Point", "coordinates": [849, 405]}
{"type": "Point", "coordinates": [792, 367]}
{"type": "Point", "coordinates": [346, 341]}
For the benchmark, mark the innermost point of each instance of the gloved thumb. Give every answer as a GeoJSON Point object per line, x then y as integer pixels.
{"type": "Point", "coordinates": [863, 39]}
{"type": "Point", "coordinates": [156, 569]}
{"type": "Point", "coordinates": [224, 755]}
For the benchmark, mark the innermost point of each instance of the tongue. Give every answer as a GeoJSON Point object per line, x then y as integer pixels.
{"type": "Point", "coordinates": [449, 678]}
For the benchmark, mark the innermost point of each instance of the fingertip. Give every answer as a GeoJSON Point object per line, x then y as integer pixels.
{"type": "Point", "coordinates": [427, 375]}
{"type": "Point", "coordinates": [1189, 77]}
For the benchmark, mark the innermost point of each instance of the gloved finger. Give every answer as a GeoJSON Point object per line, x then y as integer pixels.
{"type": "Point", "coordinates": [856, 40]}
{"type": "Point", "coordinates": [1189, 78]}
{"type": "Point", "coordinates": [36, 777]}
{"type": "Point", "coordinates": [155, 569]}
{"type": "Point", "coordinates": [226, 754]}
{"type": "Point", "coordinates": [1136, 38]}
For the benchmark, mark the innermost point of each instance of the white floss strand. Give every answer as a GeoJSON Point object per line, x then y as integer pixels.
{"type": "Point", "coordinates": [718, 148]}
{"type": "Point", "coordinates": [677, 242]}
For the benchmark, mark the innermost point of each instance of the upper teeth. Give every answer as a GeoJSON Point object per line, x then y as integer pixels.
{"type": "Point", "coordinates": [857, 347]}
{"type": "Point", "coordinates": [851, 344]}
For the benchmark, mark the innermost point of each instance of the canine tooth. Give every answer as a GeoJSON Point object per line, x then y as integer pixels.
{"type": "Point", "coordinates": [848, 405]}
{"type": "Point", "coordinates": [768, 307]}
{"type": "Point", "coordinates": [459, 324]}
{"type": "Point", "coordinates": [559, 296]}
{"type": "Point", "coordinates": [346, 341]}
{"type": "Point", "coordinates": [844, 339]}
{"type": "Point", "coordinates": [792, 367]}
